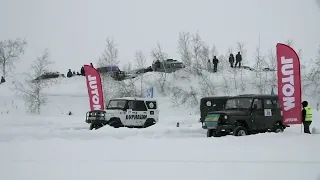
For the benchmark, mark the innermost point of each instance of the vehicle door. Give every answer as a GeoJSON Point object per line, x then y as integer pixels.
{"type": "Point", "coordinates": [141, 110]}
{"type": "Point", "coordinates": [130, 114]}
{"type": "Point", "coordinates": [258, 114]}
{"type": "Point", "coordinates": [270, 113]}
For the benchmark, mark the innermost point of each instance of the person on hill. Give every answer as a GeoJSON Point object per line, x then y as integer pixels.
{"type": "Point", "coordinates": [209, 66]}
{"type": "Point", "coordinates": [74, 73]}
{"type": "Point", "coordinates": [215, 62]}
{"type": "Point", "coordinates": [82, 71]}
{"type": "Point", "coordinates": [2, 80]}
{"type": "Point", "coordinates": [238, 60]}
{"type": "Point", "coordinates": [69, 74]}
{"type": "Point", "coordinates": [306, 117]}
{"type": "Point", "coordinates": [231, 60]}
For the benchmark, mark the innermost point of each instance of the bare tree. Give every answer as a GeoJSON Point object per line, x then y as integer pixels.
{"type": "Point", "coordinates": [197, 51]}
{"type": "Point", "coordinates": [272, 66]}
{"type": "Point", "coordinates": [10, 51]}
{"type": "Point", "coordinates": [312, 79]}
{"type": "Point", "coordinates": [110, 54]}
{"type": "Point", "coordinates": [33, 90]}
{"type": "Point", "coordinates": [260, 63]}
{"type": "Point", "coordinates": [184, 49]}
{"type": "Point", "coordinates": [241, 48]}
{"type": "Point", "coordinates": [184, 97]}
{"type": "Point", "coordinates": [158, 54]}
{"type": "Point", "coordinates": [140, 60]}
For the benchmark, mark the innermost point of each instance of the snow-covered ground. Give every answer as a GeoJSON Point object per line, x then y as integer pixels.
{"type": "Point", "coordinates": [54, 145]}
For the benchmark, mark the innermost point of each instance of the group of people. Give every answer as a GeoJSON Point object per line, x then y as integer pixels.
{"type": "Point", "coordinates": [234, 61]}
{"type": "Point", "coordinates": [71, 74]}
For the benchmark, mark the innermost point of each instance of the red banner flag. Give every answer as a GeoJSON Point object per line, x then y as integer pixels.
{"type": "Point", "coordinates": [289, 84]}
{"type": "Point", "coordinates": [94, 86]}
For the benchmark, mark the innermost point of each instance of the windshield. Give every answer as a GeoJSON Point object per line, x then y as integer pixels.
{"type": "Point", "coordinates": [239, 103]}
{"type": "Point", "coordinates": [176, 65]}
{"type": "Point", "coordinates": [116, 104]}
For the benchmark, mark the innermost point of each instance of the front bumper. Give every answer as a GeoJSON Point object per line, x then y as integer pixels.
{"type": "Point", "coordinates": [96, 117]}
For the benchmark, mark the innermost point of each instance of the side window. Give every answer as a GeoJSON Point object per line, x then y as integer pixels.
{"type": "Point", "coordinates": [257, 103]}
{"type": "Point", "coordinates": [140, 106]}
{"type": "Point", "coordinates": [267, 104]}
{"type": "Point", "coordinates": [276, 103]}
{"type": "Point", "coordinates": [131, 105]}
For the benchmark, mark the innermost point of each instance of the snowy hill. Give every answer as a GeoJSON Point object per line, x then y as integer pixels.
{"type": "Point", "coordinates": [32, 144]}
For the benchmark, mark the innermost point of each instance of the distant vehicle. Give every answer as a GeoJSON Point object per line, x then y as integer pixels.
{"type": "Point", "coordinates": [168, 66]}
{"type": "Point", "coordinates": [125, 112]}
{"type": "Point", "coordinates": [48, 75]}
{"type": "Point", "coordinates": [137, 72]}
{"type": "Point", "coordinates": [113, 71]}
{"type": "Point", "coordinates": [210, 104]}
{"type": "Point", "coordinates": [244, 115]}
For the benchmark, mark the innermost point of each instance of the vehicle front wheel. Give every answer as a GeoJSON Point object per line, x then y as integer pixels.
{"type": "Point", "coordinates": [240, 131]}
{"type": "Point", "coordinates": [209, 132]}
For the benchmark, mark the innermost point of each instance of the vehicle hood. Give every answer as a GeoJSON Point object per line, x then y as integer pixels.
{"type": "Point", "coordinates": [231, 112]}
{"type": "Point", "coordinates": [113, 111]}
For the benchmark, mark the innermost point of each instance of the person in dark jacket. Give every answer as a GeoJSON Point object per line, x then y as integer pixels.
{"type": "Point", "coordinates": [69, 74]}
{"type": "Point", "coordinates": [238, 60]}
{"type": "Point", "coordinates": [82, 71]}
{"type": "Point", "coordinates": [231, 60]}
{"type": "Point", "coordinates": [2, 80]}
{"type": "Point", "coordinates": [215, 62]}
{"type": "Point", "coordinates": [306, 117]}
{"type": "Point", "coordinates": [91, 64]}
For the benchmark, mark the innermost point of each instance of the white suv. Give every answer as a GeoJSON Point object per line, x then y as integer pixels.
{"type": "Point", "coordinates": [125, 112]}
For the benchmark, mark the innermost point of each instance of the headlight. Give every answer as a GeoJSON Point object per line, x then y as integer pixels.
{"type": "Point", "coordinates": [225, 117]}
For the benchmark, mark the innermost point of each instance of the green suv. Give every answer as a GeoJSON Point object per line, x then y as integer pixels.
{"type": "Point", "coordinates": [244, 115]}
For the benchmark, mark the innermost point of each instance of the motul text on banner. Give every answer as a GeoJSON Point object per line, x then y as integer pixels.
{"type": "Point", "coordinates": [289, 84]}
{"type": "Point", "coordinates": [94, 88]}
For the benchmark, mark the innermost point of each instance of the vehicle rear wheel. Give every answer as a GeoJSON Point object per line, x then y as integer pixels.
{"type": "Point", "coordinates": [277, 129]}
{"type": "Point", "coordinates": [240, 131]}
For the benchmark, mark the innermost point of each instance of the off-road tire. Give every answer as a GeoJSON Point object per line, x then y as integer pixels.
{"type": "Point", "coordinates": [278, 129]}
{"type": "Point", "coordinates": [115, 122]}
{"type": "Point", "coordinates": [149, 122]}
{"type": "Point", "coordinates": [209, 133]}
{"type": "Point", "coordinates": [240, 131]}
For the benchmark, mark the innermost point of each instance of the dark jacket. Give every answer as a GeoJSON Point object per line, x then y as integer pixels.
{"type": "Point", "coordinates": [231, 59]}
{"type": "Point", "coordinates": [2, 79]}
{"type": "Point", "coordinates": [69, 74]}
{"type": "Point", "coordinates": [82, 71]}
{"type": "Point", "coordinates": [238, 58]}
{"type": "Point", "coordinates": [215, 61]}
{"type": "Point", "coordinates": [304, 112]}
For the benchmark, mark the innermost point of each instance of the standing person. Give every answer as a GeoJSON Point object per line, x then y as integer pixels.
{"type": "Point", "coordinates": [209, 66]}
{"type": "Point", "coordinates": [238, 60]}
{"type": "Point", "coordinates": [82, 71]}
{"type": "Point", "coordinates": [306, 117]}
{"type": "Point", "coordinates": [215, 62]}
{"type": "Point", "coordinates": [231, 60]}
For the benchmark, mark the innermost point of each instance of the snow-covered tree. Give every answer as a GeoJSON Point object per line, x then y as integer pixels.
{"type": "Point", "coordinates": [110, 54]}
{"type": "Point", "coordinates": [32, 90]}
{"type": "Point", "coordinates": [140, 60]}
{"type": "Point", "coordinates": [10, 51]}
{"type": "Point", "coordinates": [158, 54]}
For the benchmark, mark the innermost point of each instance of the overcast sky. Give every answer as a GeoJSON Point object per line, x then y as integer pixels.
{"type": "Point", "coordinates": [74, 31]}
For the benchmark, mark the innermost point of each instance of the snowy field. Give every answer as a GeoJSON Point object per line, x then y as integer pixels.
{"type": "Point", "coordinates": [55, 146]}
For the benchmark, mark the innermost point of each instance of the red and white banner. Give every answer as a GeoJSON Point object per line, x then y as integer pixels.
{"type": "Point", "coordinates": [94, 86]}
{"type": "Point", "coordinates": [289, 84]}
